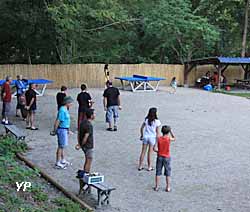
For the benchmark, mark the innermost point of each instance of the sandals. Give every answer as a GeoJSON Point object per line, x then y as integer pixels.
{"type": "Point", "coordinates": [149, 169]}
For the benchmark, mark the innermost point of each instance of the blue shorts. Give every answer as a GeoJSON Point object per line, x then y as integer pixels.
{"type": "Point", "coordinates": [62, 135]}
{"type": "Point", "coordinates": [163, 162]}
{"type": "Point", "coordinates": [112, 112]}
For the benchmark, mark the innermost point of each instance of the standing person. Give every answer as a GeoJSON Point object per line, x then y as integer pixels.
{"type": "Point", "coordinates": [31, 107]}
{"type": "Point", "coordinates": [173, 85]}
{"type": "Point", "coordinates": [85, 102]}
{"type": "Point", "coordinates": [60, 96]}
{"type": "Point", "coordinates": [106, 72]}
{"type": "Point", "coordinates": [61, 127]}
{"type": "Point", "coordinates": [149, 134]}
{"type": "Point", "coordinates": [20, 90]}
{"type": "Point", "coordinates": [112, 104]}
{"type": "Point", "coordinates": [163, 156]}
{"type": "Point", "coordinates": [215, 79]}
{"type": "Point", "coordinates": [6, 98]}
{"type": "Point", "coordinates": [86, 139]}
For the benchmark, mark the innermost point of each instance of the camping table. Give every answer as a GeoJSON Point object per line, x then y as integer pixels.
{"type": "Point", "coordinates": [42, 82]}
{"type": "Point", "coordinates": [138, 82]}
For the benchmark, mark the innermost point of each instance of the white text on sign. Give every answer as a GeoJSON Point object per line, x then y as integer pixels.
{"type": "Point", "coordinates": [25, 185]}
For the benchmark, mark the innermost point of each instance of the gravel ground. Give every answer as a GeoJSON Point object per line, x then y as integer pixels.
{"type": "Point", "coordinates": [210, 159]}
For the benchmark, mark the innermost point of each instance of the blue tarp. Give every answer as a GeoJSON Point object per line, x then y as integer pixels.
{"type": "Point", "coordinates": [220, 60]}
{"type": "Point", "coordinates": [234, 60]}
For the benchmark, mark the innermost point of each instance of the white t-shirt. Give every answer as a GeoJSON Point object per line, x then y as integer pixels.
{"type": "Point", "coordinates": [150, 131]}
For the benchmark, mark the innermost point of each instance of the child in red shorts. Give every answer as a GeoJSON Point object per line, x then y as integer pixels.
{"type": "Point", "coordinates": [163, 156]}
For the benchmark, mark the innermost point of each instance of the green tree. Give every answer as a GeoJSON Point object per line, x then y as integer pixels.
{"type": "Point", "coordinates": [228, 17]}
{"type": "Point", "coordinates": [26, 33]}
{"type": "Point", "coordinates": [174, 28]}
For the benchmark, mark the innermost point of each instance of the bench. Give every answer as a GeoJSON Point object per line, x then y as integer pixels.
{"type": "Point", "coordinates": [103, 191]}
{"type": "Point", "coordinates": [242, 83]}
{"type": "Point", "coordinates": [15, 131]}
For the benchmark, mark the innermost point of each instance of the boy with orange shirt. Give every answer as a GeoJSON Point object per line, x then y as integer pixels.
{"type": "Point", "coordinates": [163, 156]}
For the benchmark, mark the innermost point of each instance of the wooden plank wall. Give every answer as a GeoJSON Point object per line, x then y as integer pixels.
{"type": "Point", "coordinates": [73, 75]}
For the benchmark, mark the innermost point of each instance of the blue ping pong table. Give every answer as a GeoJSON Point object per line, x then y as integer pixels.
{"type": "Point", "coordinates": [140, 83]}
{"type": "Point", "coordinates": [42, 82]}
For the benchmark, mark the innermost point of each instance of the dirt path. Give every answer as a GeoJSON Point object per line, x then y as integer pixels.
{"type": "Point", "coordinates": [210, 160]}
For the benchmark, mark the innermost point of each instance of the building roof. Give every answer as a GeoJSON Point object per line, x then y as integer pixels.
{"type": "Point", "coordinates": [220, 60]}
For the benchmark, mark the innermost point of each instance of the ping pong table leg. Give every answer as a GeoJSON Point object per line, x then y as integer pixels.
{"type": "Point", "coordinates": [132, 86]}
{"type": "Point", "coordinates": [151, 86]}
{"type": "Point", "coordinates": [138, 86]}
{"type": "Point", "coordinates": [43, 90]}
{"type": "Point", "coordinates": [37, 92]}
{"type": "Point", "coordinates": [123, 88]}
{"type": "Point", "coordinates": [144, 86]}
{"type": "Point", "coordinates": [157, 85]}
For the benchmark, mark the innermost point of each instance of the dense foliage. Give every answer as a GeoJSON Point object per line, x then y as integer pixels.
{"type": "Point", "coordinates": [119, 31]}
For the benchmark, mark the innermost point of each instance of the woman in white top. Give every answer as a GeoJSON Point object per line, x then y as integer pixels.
{"type": "Point", "coordinates": [149, 134]}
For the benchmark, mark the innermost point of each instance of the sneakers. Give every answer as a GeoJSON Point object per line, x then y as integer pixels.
{"type": "Point", "coordinates": [110, 129]}
{"type": "Point", "coordinates": [59, 165]}
{"type": "Point", "coordinates": [64, 162]}
{"type": "Point", "coordinates": [6, 122]}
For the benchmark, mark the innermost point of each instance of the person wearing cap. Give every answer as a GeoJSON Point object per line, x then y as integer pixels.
{"type": "Point", "coordinates": [61, 127]}
{"type": "Point", "coordinates": [6, 98]}
{"type": "Point", "coordinates": [20, 90]}
{"type": "Point", "coordinates": [111, 103]}
{"type": "Point", "coordinates": [30, 97]}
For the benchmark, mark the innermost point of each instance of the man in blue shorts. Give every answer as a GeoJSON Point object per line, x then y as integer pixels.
{"type": "Point", "coordinates": [61, 127]}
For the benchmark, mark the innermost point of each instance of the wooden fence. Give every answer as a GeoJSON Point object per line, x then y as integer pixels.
{"type": "Point", "coordinates": [74, 75]}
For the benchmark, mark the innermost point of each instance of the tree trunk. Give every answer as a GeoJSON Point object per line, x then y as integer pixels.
{"type": "Point", "coordinates": [243, 52]}
{"type": "Point", "coordinates": [28, 55]}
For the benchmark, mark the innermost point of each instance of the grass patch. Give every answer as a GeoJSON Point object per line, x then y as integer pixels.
{"type": "Point", "coordinates": [34, 199]}
{"type": "Point", "coordinates": [245, 95]}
